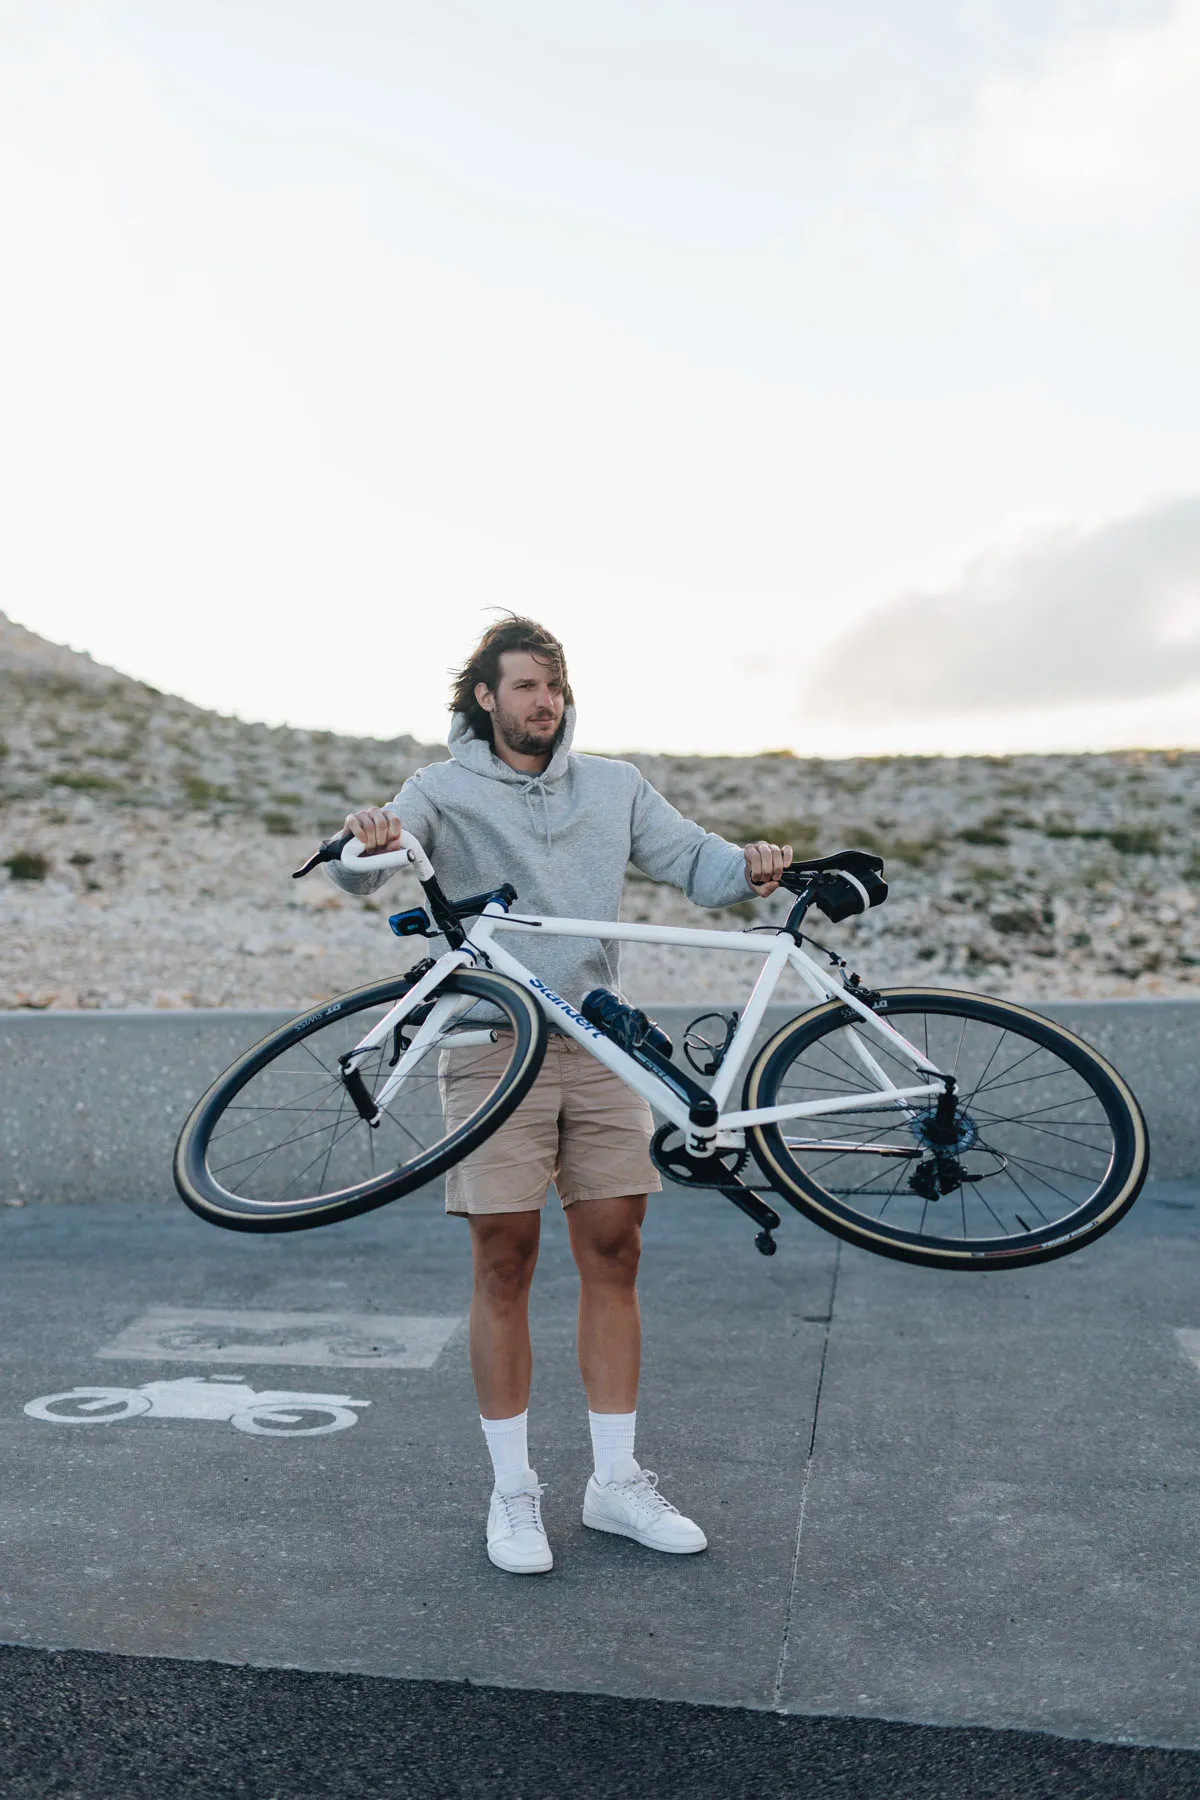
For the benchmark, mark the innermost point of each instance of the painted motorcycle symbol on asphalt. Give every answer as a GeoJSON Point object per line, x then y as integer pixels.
{"type": "Point", "coordinates": [206, 1338]}
{"type": "Point", "coordinates": [275, 1412]}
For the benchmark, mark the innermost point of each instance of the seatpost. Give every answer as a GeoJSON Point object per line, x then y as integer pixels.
{"type": "Point", "coordinates": [803, 901]}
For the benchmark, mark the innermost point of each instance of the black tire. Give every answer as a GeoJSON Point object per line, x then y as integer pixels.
{"type": "Point", "coordinates": [292, 1077]}
{"type": "Point", "coordinates": [1051, 1166]}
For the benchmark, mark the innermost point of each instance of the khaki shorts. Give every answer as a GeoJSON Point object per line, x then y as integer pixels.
{"type": "Point", "coordinates": [578, 1126]}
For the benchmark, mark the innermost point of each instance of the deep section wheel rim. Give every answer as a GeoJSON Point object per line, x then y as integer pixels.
{"type": "Point", "coordinates": [1046, 1137]}
{"type": "Point", "coordinates": [281, 1136]}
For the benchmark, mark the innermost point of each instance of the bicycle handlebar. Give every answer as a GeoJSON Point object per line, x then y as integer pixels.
{"type": "Point", "coordinates": [347, 849]}
{"type": "Point", "coordinates": [410, 851]}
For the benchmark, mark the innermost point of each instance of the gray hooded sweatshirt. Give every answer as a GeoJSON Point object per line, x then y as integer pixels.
{"type": "Point", "coordinates": [562, 839]}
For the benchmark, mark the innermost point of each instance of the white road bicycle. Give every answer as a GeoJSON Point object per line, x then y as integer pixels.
{"type": "Point", "coordinates": [942, 1128]}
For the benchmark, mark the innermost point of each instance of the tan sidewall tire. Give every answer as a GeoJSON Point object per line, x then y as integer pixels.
{"type": "Point", "coordinates": [808, 1197]}
{"type": "Point", "coordinates": [204, 1196]}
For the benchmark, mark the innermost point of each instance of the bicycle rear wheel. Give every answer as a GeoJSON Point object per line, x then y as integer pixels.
{"type": "Point", "coordinates": [280, 1142]}
{"type": "Point", "coordinates": [1046, 1151]}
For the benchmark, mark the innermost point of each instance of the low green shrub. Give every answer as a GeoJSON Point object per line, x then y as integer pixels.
{"type": "Point", "coordinates": [1135, 840]}
{"type": "Point", "coordinates": [1018, 920]}
{"type": "Point", "coordinates": [201, 792]}
{"type": "Point", "coordinates": [987, 832]}
{"type": "Point", "coordinates": [27, 865]}
{"type": "Point", "coordinates": [87, 783]}
{"type": "Point", "coordinates": [916, 852]}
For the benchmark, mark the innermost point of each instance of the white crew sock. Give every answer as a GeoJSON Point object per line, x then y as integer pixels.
{"type": "Point", "coordinates": [612, 1436]}
{"type": "Point", "coordinates": [508, 1441]}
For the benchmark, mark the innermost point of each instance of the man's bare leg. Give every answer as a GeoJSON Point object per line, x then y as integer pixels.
{"type": "Point", "coordinates": [606, 1242]}
{"type": "Point", "coordinates": [606, 1238]}
{"type": "Point", "coordinates": [504, 1249]}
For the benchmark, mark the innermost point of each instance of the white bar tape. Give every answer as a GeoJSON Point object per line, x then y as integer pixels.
{"type": "Point", "coordinates": [410, 851]}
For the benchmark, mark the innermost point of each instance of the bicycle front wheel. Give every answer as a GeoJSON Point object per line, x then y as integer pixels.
{"type": "Point", "coordinates": [285, 1140]}
{"type": "Point", "coordinates": [1046, 1150]}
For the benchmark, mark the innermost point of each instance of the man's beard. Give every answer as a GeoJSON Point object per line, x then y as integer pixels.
{"type": "Point", "coordinates": [525, 743]}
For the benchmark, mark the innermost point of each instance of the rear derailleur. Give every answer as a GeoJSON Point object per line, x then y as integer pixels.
{"type": "Point", "coordinates": [944, 1132]}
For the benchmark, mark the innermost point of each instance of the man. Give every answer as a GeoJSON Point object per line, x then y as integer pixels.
{"type": "Point", "coordinates": [514, 804]}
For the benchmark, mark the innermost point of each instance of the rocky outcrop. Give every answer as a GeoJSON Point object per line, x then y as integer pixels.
{"type": "Point", "coordinates": [145, 847]}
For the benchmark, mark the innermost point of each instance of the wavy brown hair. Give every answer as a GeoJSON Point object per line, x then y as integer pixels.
{"type": "Point", "coordinates": [510, 633]}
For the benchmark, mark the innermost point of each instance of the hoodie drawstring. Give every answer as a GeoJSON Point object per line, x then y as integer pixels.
{"type": "Point", "coordinates": [536, 785]}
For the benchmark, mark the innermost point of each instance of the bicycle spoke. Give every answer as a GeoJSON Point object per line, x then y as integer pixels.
{"type": "Point", "coordinates": [958, 1052]}
{"type": "Point", "coordinates": [296, 1179]}
{"type": "Point", "coordinates": [991, 1118]}
{"type": "Point", "coordinates": [984, 1201]}
{"type": "Point", "coordinates": [1020, 1187]}
{"type": "Point", "coordinates": [294, 1129]}
{"type": "Point", "coordinates": [891, 1194]}
{"type": "Point", "coordinates": [991, 1059]}
{"type": "Point", "coordinates": [996, 1087]}
{"type": "Point", "coordinates": [332, 1141]}
{"type": "Point", "coordinates": [1023, 1124]}
{"type": "Point", "coordinates": [219, 1137]}
{"type": "Point", "coordinates": [1036, 1112]}
{"type": "Point", "coordinates": [405, 1130]}
{"type": "Point", "coordinates": [1033, 1162]}
{"type": "Point", "coordinates": [1072, 1200]}
{"type": "Point", "coordinates": [271, 1150]}
{"type": "Point", "coordinates": [264, 1108]}
{"type": "Point", "coordinates": [823, 1087]}
{"type": "Point", "coordinates": [854, 1068]}
{"type": "Point", "coordinates": [1036, 1142]}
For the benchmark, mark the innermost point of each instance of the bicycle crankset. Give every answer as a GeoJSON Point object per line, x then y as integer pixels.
{"type": "Point", "coordinates": [722, 1171]}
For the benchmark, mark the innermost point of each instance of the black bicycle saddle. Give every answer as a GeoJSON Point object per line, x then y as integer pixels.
{"type": "Point", "coordinates": [839, 899]}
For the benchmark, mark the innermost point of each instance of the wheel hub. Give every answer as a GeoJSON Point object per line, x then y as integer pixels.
{"type": "Point", "coordinates": [931, 1134]}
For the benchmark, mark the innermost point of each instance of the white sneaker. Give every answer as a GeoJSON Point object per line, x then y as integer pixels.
{"type": "Point", "coordinates": [516, 1537]}
{"type": "Point", "coordinates": [631, 1506]}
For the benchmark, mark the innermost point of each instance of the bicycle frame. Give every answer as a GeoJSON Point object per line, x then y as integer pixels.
{"type": "Point", "coordinates": [481, 947]}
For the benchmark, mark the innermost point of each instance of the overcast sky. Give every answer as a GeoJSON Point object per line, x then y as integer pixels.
{"type": "Point", "coordinates": [825, 376]}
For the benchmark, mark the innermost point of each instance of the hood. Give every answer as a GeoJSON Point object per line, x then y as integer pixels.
{"type": "Point", "coordinates": [476, 754]}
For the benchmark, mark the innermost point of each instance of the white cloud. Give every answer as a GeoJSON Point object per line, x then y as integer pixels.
{"type": "Point", "coordinates": [1107, 131]}
{"type": "Point", "coordinates": [1055, 618]}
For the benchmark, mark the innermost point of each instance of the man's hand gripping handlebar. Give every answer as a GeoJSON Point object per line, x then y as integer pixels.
{"type": "Point", "coordinates": [349, 849]}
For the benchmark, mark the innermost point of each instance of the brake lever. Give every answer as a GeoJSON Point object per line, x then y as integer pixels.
{"type": "Point", "coordinates": [330, 852]}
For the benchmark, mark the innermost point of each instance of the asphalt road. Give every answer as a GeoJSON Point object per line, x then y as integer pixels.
{"type": "Point", "coordinates": [78, 1727]}
{"type": "Point", "coordinates": [953, 1520]}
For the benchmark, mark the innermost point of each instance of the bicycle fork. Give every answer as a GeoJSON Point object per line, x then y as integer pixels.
{"type": "Point", "coordinates": [431, 1015]}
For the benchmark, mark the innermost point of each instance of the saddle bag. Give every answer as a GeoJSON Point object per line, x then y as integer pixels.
{"type": "Point", "coordinates": [848, 883]}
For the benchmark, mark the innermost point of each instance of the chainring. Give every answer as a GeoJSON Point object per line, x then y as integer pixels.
{"type": "Point", "coordinates": [691, 1171]}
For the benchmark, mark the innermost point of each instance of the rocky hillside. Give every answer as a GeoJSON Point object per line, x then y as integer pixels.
{"type": "Point", "coordinates": [145, 847]}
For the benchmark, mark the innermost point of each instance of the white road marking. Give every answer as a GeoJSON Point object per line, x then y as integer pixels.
{"type": "Point", "coordinates": [1189, 1343]}
{"type": "Point", "coordinates": [325, 1340]}
{"type": "Point", "coordinates": [275, 1412]}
